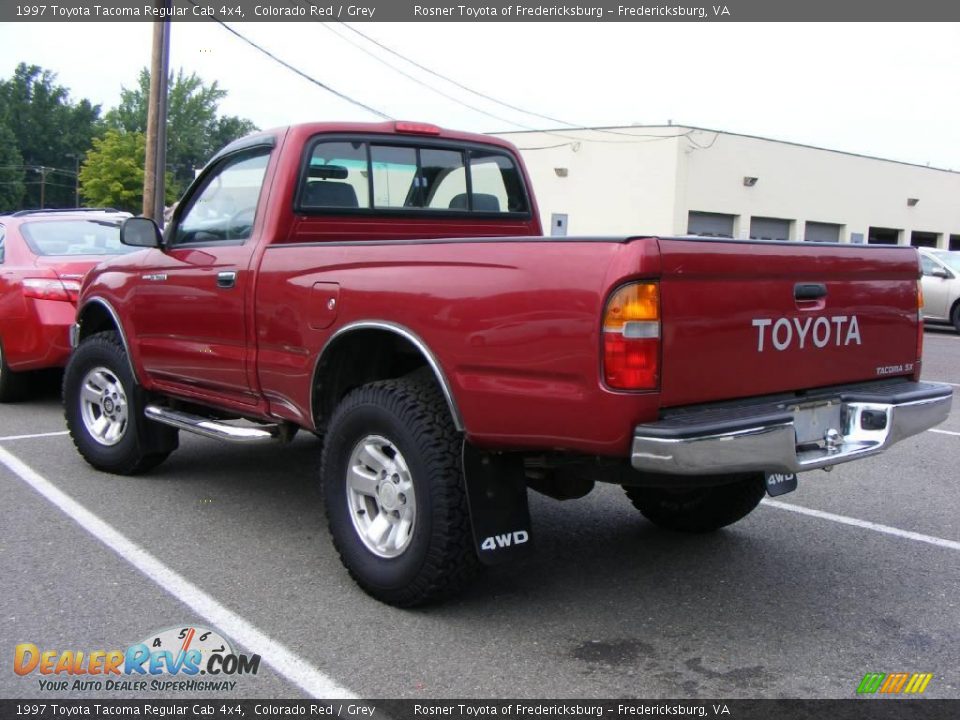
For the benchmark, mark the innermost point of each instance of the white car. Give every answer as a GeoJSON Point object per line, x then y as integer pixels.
{"type": "Point", "coordinates": [941, 286]}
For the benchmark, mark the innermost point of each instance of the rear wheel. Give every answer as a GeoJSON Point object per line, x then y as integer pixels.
{"type": "Point", "coordinates": [104, 410]}
{"type": "Point", "coordinates": [394, 492]}
{"type": "Point", "coordinates": [703, 509]}
{"type": "Point", "coordinates": [12, 385]}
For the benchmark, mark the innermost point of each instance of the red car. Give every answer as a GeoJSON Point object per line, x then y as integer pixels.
{"type": "Point", "coordinates": [44, 255]}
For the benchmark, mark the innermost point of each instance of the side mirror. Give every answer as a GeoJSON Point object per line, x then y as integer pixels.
{"type": "Point", "coordinates": [140, 232]}
{"type": "Point", "coordinates": [940, 273]}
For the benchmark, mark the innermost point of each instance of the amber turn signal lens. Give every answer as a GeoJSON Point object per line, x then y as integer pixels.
{"type": "Point", "coordinates": [637, 302]}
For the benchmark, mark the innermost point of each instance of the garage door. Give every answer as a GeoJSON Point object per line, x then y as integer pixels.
{"type": "Point", "coordinates": [762, 228]}
{"type": "Point", "coordinates": [712, 224]}
{"type": "Point", "coordinates": [822, 232]}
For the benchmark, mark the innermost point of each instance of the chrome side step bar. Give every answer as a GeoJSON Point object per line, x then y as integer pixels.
{"type": "Point", "coordinates": [215, 429]}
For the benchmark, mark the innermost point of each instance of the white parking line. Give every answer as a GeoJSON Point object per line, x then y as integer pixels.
{"type": "Point", "coordinates": [865, 524]}
{"type": "Point", "coordinates": [291, 666]}
{"type": "Point", "coordinates": [35, 435]}
{"type": "Point", "coordinates": [945, 432]}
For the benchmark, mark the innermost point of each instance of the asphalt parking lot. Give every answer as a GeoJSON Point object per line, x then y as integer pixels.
{"type": "Point", "coordinates": [783, 604]}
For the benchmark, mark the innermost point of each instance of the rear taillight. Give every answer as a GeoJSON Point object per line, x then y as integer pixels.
{"type": "Point", "coordinates": [631, 337]}
{"type": "Point", "coordinates": [51, 289]}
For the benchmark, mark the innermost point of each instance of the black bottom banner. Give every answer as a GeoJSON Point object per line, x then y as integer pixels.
{"type": "Point", "coordinates": [854, 709]}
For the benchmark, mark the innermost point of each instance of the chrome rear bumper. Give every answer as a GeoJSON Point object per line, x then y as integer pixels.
{"type": "Point", "coordinates": [789, 434]}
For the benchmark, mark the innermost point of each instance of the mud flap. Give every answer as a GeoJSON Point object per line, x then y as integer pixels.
{"type": "Point", "coordinates": [497, 496]}
{"type": "Point", "coordinates": [780, 483]}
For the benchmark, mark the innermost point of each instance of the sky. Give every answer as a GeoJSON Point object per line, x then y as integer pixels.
{"type": "Point", "coordinates": [885, 90]}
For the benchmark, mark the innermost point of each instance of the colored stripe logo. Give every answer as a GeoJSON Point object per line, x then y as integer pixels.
{"type": "Point", "coordinates": [894, 683]}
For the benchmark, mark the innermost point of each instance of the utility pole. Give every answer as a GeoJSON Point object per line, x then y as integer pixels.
{"type": "Point", "coordinates": [153, 172]}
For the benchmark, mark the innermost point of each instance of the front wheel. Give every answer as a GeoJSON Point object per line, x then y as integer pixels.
{"type": "Point", "coordinates": [955, 316]}
{"type": "Point", "coordinates": [104, 410]}
{"type": "Point", "coordinates": [702, 509]}
{"type": "Point", "coordinates": [394, 493]}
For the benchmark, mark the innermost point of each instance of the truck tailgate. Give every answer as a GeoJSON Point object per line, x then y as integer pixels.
{"type": "Point", "coordinates": [745, 318]}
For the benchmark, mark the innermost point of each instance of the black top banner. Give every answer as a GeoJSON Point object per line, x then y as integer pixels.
{"type": "Point", "coordinates": [474, 11]}
{"type": "Point", "coordinates": [227, 709]}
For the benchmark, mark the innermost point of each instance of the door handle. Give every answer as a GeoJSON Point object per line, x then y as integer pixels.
{"type": "Point", "coordinates": [226, 279]}
{"type": "Point", "coordinates": [809, 291]}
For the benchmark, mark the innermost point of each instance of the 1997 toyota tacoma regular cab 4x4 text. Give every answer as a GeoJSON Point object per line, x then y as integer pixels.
{"type": "Point", "coordinates": [387, 287]}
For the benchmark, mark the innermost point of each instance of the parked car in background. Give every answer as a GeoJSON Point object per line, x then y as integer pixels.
{"type": "Point", "coordinates": [44, 255]}
{"type": "Point", "coordinates": [941, 286]}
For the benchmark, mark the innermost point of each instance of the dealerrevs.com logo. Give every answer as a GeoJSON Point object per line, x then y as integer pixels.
{"type": "Point", "coordinates": [181, 659]}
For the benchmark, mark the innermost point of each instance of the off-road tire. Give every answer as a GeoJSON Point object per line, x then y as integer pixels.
{"type": "Point", "coordinates": [439, 558]}
{"type": "Point", "coordinates": [699, 510]}
{"type": "Point", "coordinates": [13, 385]}
{"type": "Point", "coordinates": [143, 444]}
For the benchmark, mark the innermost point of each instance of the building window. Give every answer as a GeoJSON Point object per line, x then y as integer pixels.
{"type": "Point", "coordinates": [924, 239]}
{"type": "Point", "coordinates": [955, 242]}
{"type": "Point", "coordinates": [766, 228]}
{"type": "Point", "coordinates": [822, 232]}
{"type": "Point", "coordinates": [883, 236]}
{"type": "Point", "coordinates": [710, 224]}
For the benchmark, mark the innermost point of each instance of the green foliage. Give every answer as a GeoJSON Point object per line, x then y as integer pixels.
{"type": "Point", "coordinates": [194, 130]}
{"type": "Point", "coordinates": [49, 131]}
{"type": "Point", "coordinates": [112, 174]}
{"type": "Point", "coordinates": [11, 171]}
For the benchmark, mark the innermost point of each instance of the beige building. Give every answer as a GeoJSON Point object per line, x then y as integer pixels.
{"type": "Point", "coordinates": [673, 180]}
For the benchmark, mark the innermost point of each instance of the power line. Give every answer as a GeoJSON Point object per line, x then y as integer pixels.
{"type": "Point", "coordinates": [37, 168]}
{"type": "Point", "coordinates": [38, 182]}
{"type": "Point", "coordinates": [452, 81]}
{"type": "Point", "coordinates": [299, 72]}
{"type": "Point", "coordinates": [574, 126]}
{"type": "Point", "coordinates": [420, 82]}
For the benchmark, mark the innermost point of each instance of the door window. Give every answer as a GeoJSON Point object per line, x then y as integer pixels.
{"type": "Point", "coordinates": [225, 207]}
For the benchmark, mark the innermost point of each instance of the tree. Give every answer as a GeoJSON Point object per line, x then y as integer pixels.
{"type": "Point", "coordinates": [112, 173]}
{"type": "Point", "coordinates": [194, 130]}
{"type": "Point", "coordinates": [11, 171]}
{"type": "Point", "coordinates": [49, 132]}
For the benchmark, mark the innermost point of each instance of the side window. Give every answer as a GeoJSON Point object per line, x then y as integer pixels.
{"type": "Point", "coordinates": [928, 265]}
{"type": "Point", "coordinates": [3, 233]}
{"type": "Point", "coordinates": [337, 176]}
{"type": "Point", "coordinates": [225, 206]}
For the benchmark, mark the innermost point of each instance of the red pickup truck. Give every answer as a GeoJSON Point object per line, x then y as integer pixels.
{"type": "Point", "coordinates": [387, 287]}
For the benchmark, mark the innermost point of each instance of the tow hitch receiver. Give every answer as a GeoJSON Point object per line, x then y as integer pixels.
{"type": "Point", "coordinates": [497, 496]}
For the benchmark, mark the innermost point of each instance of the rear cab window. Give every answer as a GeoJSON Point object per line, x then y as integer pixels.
{"type": "Point", "coordinates": [414, 178]}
